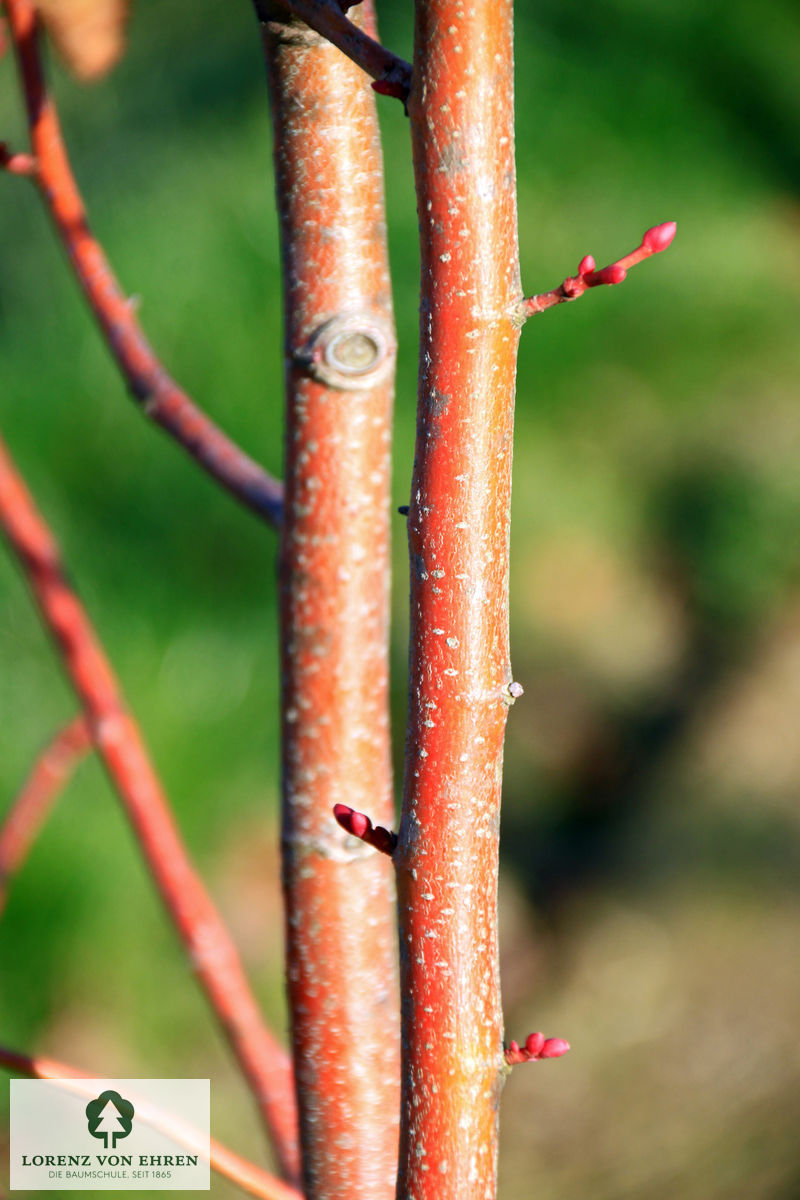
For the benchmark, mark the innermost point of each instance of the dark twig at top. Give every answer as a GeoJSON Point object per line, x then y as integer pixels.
{"type": "Point", "coordinates": [391, 75]}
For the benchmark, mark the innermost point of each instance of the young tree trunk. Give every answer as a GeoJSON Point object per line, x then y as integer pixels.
{"type": "Point", "coordinates": [334, 576]}
{"type": "Point", "coordinates": [461, 109]}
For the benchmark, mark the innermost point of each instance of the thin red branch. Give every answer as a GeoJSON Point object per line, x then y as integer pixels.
{"type": "Point", "coordinates": [536, 1047]}
{"type": "Point", "coordinates": [32, 805]}
{"type": "Point", "coordinates": [225, 1162]}
{"type": "Point", "coordinates": [359, 825]}
{"type": "Point", "coordinates": [158, 395]}
{"type": "Point", "coordinates": [654, 241]}
{"type": "Point", "coordinates": [115, 735]}
{"type": "Point", "coordinates": [392, 74]}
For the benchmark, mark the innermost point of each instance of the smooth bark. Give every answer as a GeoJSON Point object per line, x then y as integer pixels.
{"type": "Point", "coordinates": [334, 601]}
{"type": "Point", "coordinates": [461, 109]}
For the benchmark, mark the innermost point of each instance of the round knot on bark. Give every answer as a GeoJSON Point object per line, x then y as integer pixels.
{"type": "Point", "coordinates": [352, 352]}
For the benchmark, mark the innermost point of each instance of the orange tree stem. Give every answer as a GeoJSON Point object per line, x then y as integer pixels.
{"type": "Point", "coordinates": [461, 110]}
{"type": "Point", "coordinates": [163, 401]}
{"type": "Point", "coordinates": [239, 1170]}
{"type": "Point", "coordinates": [29, 811]}
{"type": "Point", "coordinates": [117, 739]}
{"type": "Point", "coordinates": [334, 573]}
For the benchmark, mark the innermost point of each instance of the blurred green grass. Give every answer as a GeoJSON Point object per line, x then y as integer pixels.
{"type": "Point", "coordinates": [651, 851]}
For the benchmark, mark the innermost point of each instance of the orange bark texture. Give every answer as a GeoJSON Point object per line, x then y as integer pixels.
{"type": "Point", "coordinates": [334, 600]}
{"type": "Point", "coordinates": [461, 110]}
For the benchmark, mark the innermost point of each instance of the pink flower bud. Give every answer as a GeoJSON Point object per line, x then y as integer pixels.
{"type": "Point", "coordinates": [359, 824]}
{"type": "Point", "coordinates": [554, 1048]}
{"type": "Point", "coordinates": [586, 265]}
{"type": "Point", "coordinates": [354, 822]}
{"type": "Point", "coordinates": [659, 237]}
{"type": "Point", "coordinates": [534, 1043]}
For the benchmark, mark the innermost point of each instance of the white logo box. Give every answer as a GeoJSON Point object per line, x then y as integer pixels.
{"type": "Point", "coordinates": [109, 1135]}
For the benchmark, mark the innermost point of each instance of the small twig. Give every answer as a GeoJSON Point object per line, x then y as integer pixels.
{"type": "Point", "coordinates": [360, 826]}
{"type": "Point", "coordinates": [654, 241]}
{"type": "Point", "coordinates": [116, 736]}
{"type": "Point", "coordinates": [16, 164]}
{"type": "Point", "coordinates": [536, 1047]}
{"type": "Point", "coordinates": [158, 395]}
{"type": "Point", "coordinates": [29, 810]}
{"type": "Point", "coordinates": [392, 75]}
{"type": "Point", "coordinates": [222, 1160]}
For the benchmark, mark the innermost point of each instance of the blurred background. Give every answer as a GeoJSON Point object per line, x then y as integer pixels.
{"type": "Point", "coordinates": [649, 901]}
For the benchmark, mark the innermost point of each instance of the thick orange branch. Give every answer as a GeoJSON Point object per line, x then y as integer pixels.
{"type": "Point", "coordinates": [117, 739]}
{"type": "Point", "coordinates": [29, 811]}
{"type": "Point", "coordinates": [158, 395]}
{"type": "Point", "coordinates": [334, 576]}
{"type": "Point", "coordinates": [222, 1160]}
{"type": "Point", "coordinates": [461, 110]}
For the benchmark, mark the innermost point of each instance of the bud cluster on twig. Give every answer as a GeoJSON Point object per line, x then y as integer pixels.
{"type": "Point", "coordinates": [536, 1047]}
{"type": "Point", "coordinates": [654, 241]}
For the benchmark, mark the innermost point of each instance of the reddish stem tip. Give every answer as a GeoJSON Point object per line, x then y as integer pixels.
{"type": "Point", "coordinates": [659, 237]}
{"type": "Point", "coordinates": [389, 87]}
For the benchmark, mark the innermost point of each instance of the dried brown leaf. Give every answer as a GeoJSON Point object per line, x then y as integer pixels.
{"type": "Point", "coordinates": [89, 35]}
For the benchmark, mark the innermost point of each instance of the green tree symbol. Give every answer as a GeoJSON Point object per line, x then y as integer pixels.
{"type": "Point", "coordinates": [110, 1116]}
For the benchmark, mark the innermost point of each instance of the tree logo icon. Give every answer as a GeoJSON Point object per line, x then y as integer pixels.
{"type": "Point", "coordinates": [109, 1117]}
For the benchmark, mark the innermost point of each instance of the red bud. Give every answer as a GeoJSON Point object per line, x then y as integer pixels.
{"type": "Point", "coordinates": [586, 265]}
{"type": "Point", "coordinates": [534, 1043]}
{"type": "Point", "coordinates": [659, 237]}
{"type": "Point", "coordinates": [354, 822]}
{"type": "Point", "coordinates": [359, 824]}
{"type": "Point", "coordinates": [554, 1048]}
